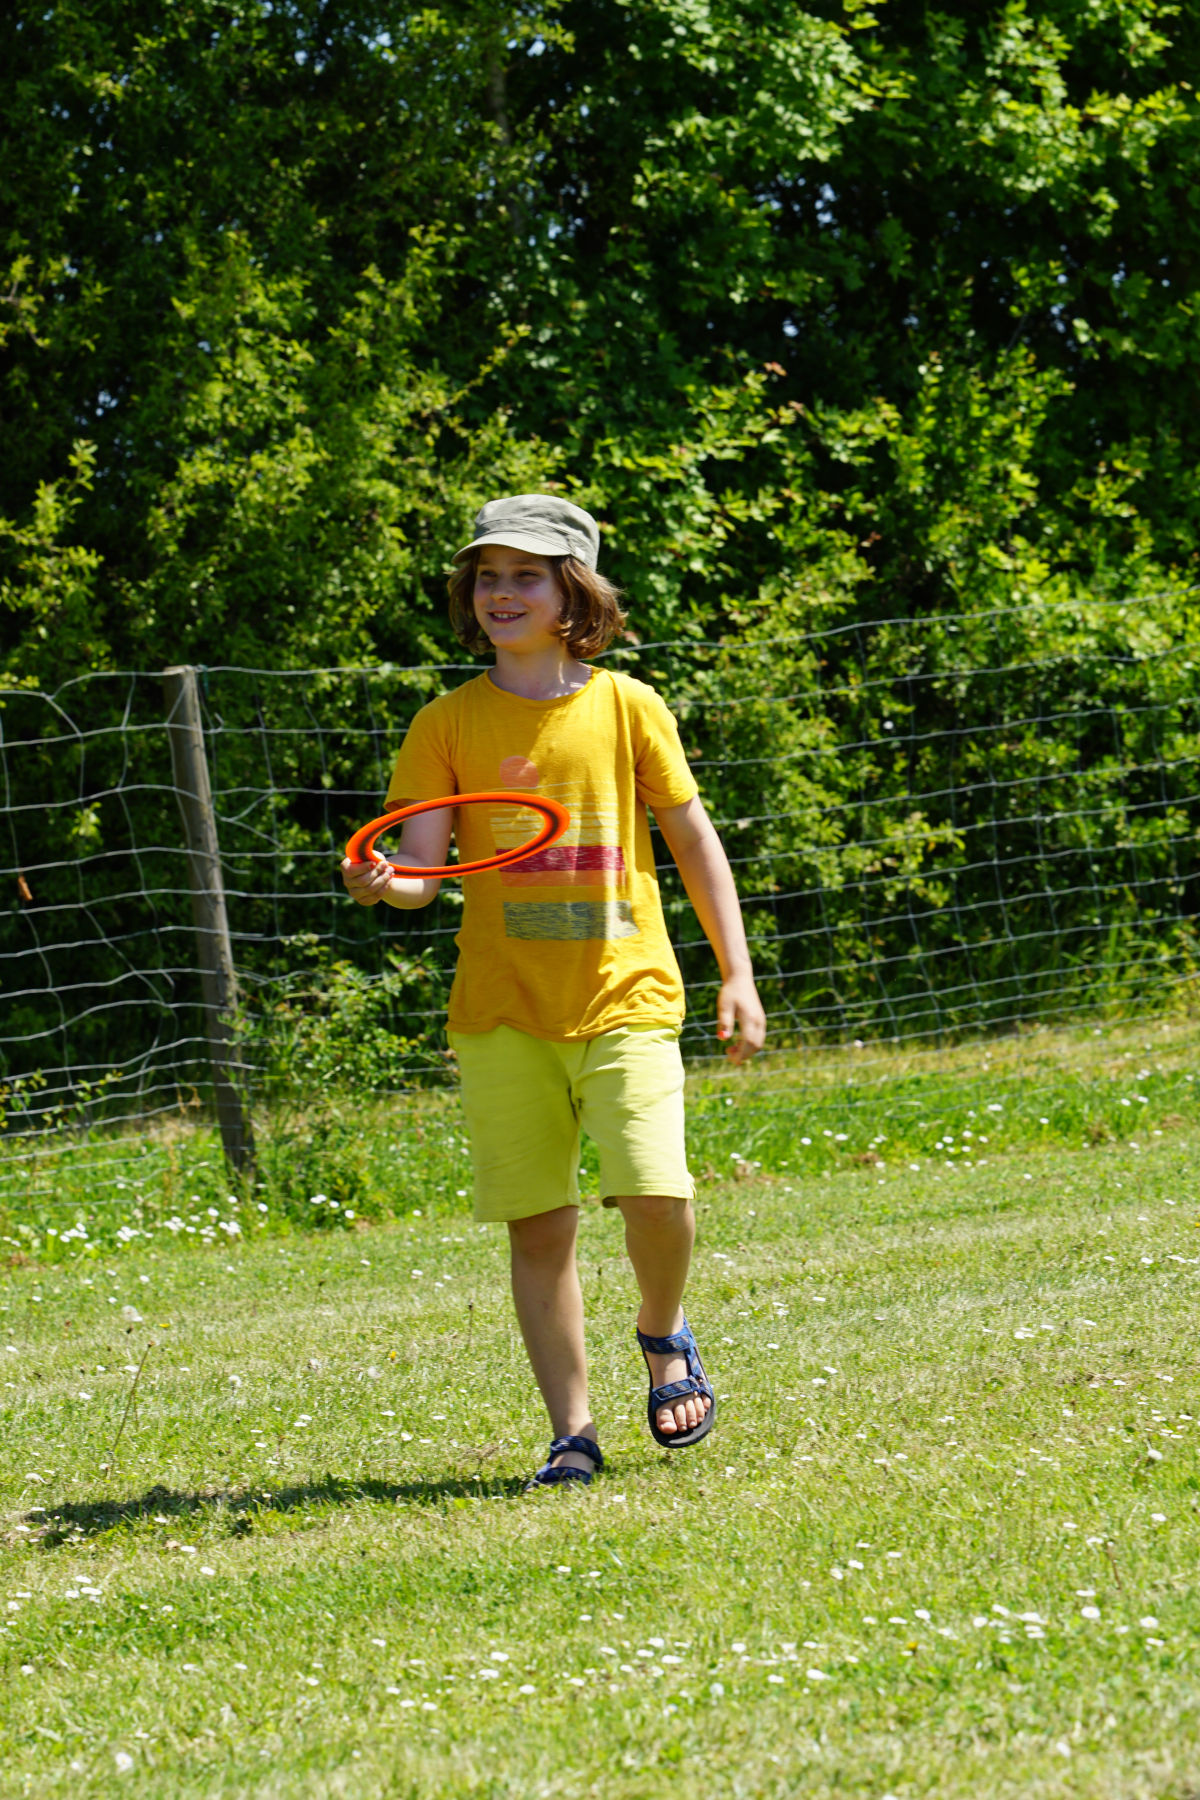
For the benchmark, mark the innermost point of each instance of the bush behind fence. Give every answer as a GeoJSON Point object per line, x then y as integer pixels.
{"type": "Point", "coordinates": [938, 825]}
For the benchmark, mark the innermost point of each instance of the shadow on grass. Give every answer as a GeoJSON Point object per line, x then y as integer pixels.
{"type": "Point", "coordinates": [89, 1518]}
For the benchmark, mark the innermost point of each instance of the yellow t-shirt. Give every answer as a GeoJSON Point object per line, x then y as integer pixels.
{"type": "Point", "coordinates": [572, 941]}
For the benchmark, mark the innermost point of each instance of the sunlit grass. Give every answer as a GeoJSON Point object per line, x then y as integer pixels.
{"type": "Point", "coordinates": [332, 1158]}
{"type": "Point", "coordinates": [941, 1543]}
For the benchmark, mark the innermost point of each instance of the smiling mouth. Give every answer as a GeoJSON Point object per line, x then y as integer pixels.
{"type": "Point", "coordinates": [505, 618]}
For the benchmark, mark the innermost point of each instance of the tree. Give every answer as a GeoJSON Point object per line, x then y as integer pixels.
{"type": "Point", "coordinates": [299, 284]}
{"type": "Point", "coordinates": [860, 319]}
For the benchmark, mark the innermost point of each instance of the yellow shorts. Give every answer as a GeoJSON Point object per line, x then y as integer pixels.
{"type": "Point", "coordinates": [527, 1099]}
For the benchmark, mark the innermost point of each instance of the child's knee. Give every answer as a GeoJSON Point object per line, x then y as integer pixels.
{"type": "Point", "coordinates": [655, 1212]}
{"type": "Point", "coordinates": [547, 1234]}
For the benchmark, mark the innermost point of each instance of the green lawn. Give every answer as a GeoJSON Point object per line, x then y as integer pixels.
{"type": "Point", "coordinates": [942, 1541]}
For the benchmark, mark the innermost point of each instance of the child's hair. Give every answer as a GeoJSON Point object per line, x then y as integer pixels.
{"type": "Point", "coordinates": [591, 614]}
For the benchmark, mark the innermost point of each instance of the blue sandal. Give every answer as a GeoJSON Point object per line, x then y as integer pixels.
{"type": "Point", "coordinates": [549, 1476]}
{"type": "Point", "coordinates": [680, 1342]}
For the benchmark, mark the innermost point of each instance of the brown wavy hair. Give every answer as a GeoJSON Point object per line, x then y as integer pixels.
{"type": "Point", "coordinates": [591, 614]}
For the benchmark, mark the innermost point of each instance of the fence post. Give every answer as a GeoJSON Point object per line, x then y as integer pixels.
{"type": "Point", "coordinates": [217, 978]}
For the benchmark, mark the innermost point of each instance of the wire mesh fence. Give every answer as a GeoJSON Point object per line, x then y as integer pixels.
{"type": "Point", "coordinates": [941, 827]}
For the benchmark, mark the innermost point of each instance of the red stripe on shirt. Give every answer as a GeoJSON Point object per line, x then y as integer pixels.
{"type": "Point", "coordinates": [567, 865]}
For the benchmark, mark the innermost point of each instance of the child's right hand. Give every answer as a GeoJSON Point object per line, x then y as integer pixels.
{"type": "Point", "coordinates": [366, 883]}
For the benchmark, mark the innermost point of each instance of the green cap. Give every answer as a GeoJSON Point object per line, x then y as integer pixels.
{"type": "Point", "coordinates": [540, 523]}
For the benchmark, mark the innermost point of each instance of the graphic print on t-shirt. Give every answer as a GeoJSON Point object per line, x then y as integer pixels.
{"type": "Point", "coordinates": [589, 855]}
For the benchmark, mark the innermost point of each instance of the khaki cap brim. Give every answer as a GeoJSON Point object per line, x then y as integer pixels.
{"type": "Point", "coordinates": [518, 540]}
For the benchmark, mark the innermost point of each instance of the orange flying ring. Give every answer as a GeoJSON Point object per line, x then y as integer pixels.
{"type": "Point", "coordinates": [555, 819]}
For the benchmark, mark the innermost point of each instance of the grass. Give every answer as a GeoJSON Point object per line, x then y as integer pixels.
{"type": "Point", "coordinates": [942, 1542]}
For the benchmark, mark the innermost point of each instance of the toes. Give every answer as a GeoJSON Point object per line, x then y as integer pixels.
{"type": "Point", "coordinates": [684, 1415]}
{"type": "Point", "coordinates": [687, 1412]}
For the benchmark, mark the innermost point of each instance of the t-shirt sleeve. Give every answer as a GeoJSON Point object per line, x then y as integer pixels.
{"type": "Point", "coordinates": [422, 769]}
{"type": "Point", "coordinates": [663, 775]}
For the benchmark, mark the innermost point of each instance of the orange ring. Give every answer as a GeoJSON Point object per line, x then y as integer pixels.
{"type": "Point", "coordinates": [555, 819]}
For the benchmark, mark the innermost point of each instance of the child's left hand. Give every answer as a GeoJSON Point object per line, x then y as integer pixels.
{"type": "Point", "coordinates": [739, 1008]}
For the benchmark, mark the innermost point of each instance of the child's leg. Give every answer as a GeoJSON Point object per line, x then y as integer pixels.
{"type": "Point", "coordinates": [525, 1151]}
{"type": "Point", "coordinates": [659, 1234]}
{"type": "Point", "coordinates": [549, 1305]}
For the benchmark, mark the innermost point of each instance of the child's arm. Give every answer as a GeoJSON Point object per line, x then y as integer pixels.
{"type": "Point", "coordinates": [693, 842]}
{"type": "Point", "coordinates": [424, 842]}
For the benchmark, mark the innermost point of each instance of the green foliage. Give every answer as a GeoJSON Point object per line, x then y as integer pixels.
{"type": "Point", "coordinates": [290, 290]}
{"type": "Point", "coordinates": [325, 1023]}
{"type": "Point", "coordinates": [49, 586]}
{"type": "Point", "coordinates": [225, 278]}
{"type": "Point", "coordinates": [324, 1047]}
{"type": "Point", "coordinates": [839, 316]}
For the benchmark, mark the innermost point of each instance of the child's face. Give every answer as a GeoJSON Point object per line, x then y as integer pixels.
{"type": "Point", "coordinates": [518, 601]}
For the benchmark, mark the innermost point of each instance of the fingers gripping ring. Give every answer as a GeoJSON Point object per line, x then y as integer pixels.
{"type": "Point", "coordinates": [555, 819]}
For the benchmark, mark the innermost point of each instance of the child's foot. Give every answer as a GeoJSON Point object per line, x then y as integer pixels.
{"type": "Point", "coordinates": [573, 1459]}
{"type": "Point", "coordinates": [687, 1412]}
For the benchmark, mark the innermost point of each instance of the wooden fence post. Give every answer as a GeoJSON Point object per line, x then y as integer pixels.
{"type": "Point", "coordinates": [217, 977]}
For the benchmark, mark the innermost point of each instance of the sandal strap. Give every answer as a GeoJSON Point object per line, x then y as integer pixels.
{"type": "Point", "coordinates": [678, 1390]}
{"type": "Point", "coordinates": [549, 1477]}
{"type": "Point", "coordinates": [678, 1344]}
{"type": "Point", "coordinates": [585, 1447]}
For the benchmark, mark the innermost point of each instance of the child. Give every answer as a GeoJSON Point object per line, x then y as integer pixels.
{"type": "Point", "coordinates": [567, 1002]}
